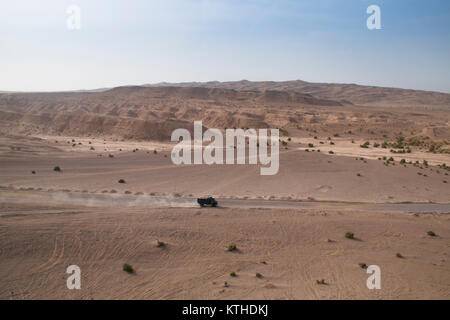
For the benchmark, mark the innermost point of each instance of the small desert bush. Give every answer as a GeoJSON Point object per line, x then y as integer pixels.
{"type": "Point", "coordinates": [431, 234]}
{"type": "Point", "coordinates": [33, 172]}
{"type": "Point", "coordinates": [399, 255]}
{"type": "Point", "coordinates": [121, 181]}
{"type": "Point", "coordinates": [160, 244]}
{"type": "Point", "coordinates": [57, 169]}
{"type": "Point", "coordinates": [127, 268]}
{"type": "Point", "coordinates": [233, 274]}
{"type": "Point", "coordinates": [350, 235]}
{"type": "Point", "coordinates": [231, 247]}
{"type": "Point", "coordinates": [365, 145]}
{"type": "Point", "coordinates": [363, 266]}
{"type": "Point", "coordinates": [258, 275]}
{"type": "Point", "coordinates": [322, 281]}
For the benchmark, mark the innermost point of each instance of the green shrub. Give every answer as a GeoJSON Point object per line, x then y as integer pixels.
{"type": "Point", "coordinates": [365, 145]}
{"type": "Point", "coordinates": [259, 275]}
{"type": "Point", "coordinates": [363, 265]}
{"type": "Point", "coordinates": [431, 234]}
{"type": "Point", "coordinates": [127, 268]}
{"type": "Point", "coordinates": [233, 274]}
{"type": "Point", "coordinates": [322, 281]}
{"type": "Point", "coordinates": [57, 169]}
{"type": "Point", "coordinates": [399, 255]}
{"type": "Point", "coordinates": [350, 235]}
{"type": "Point", "coordinates": [160, 244]}
{"type": "Point", "coordinates": [231, 247]}
{"type": "Point", "coordinates": [121, 181]}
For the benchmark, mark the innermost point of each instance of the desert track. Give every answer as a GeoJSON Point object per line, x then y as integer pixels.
{"type": "Point", "coordinates": [98, 200]}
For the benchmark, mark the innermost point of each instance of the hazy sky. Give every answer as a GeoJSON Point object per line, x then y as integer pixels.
{"type": "Point", "coordinates": [137, 42]}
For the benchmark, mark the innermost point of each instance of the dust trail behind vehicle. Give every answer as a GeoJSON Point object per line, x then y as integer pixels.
{"type": "Point", "coordinates": [94, 200]}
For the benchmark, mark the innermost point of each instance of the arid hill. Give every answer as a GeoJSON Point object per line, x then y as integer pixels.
{"type": "Point", "coordinates": [346, 93]}
{"type": "Point", "coordinates": [296, 107]}
{"type": "Point", "coordinates": [141, 113]}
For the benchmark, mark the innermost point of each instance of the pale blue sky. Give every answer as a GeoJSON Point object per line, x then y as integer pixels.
{"type": "Point", "coordinates": [137, 42]}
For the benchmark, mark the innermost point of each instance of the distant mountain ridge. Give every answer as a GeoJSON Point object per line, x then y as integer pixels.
{"type": "Point", "coordinates": [350, 93]}
{"type": "Point", "coordinates": [152, 112]}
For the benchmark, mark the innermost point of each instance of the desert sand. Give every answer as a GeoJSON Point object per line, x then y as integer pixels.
{"type": "Point", "coordinates": [289, 227]}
